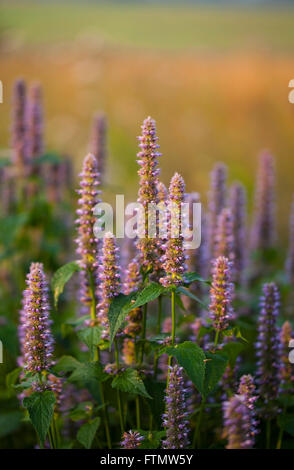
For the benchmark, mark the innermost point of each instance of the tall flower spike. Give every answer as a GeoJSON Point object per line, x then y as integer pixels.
{"type": "Point", "coordinates": [19, 127]}
{"type": "Point", "coordinates": [238, 425]}
{"type": "Point", "coordinates": [97, 145]}
{"type": "Point", "coordinates": [148, 192]}
{"type": "Point", "coordinates": [221, 293]}
{"type": "Point", "coordinates": [131, 440]}
{"type": "Point", "coordinates": [268, 350]}
{"type": "Point", "coordinates": [38, 344]}
{"type": "Point", "coordinates": [263, 233]}
{"type": "Point", "coordinates": [175, 418]}
{"type": "Point", "coordinates": [224, 236]}
{"type": "Point", "coordinates": [238, 210]}
{"type": "Point", "coordinates": [109, 278]}
{"type": "Point", "coordinates": [248, 391]}
{"type": "Point", "coordinates": [290, 258]}
{"type": "Point", "coordinates": [35, 122]}
{"type": "Point", "coordinates": [217, 198]}
{"type": "Point", "coordinates": [87, 243]}
{"type": "Point", "coordinates": [174, 258]}
{"type": "Point", "coordinates": [286, 372]}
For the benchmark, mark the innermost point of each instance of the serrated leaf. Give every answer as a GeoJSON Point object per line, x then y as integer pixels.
{"type": "Point", "coordinates": [91, 336]}
{"type": "Point", "coordinates": [129, 381]}
{"type": "Point", "coordinates": [215, 367]}
{"type": "Point", "coordinates": [61, 277]}
{"type": "Point", "coordinates": [192, 277]}
{"type": "Point", "coordinates": [88, 372]}
{"type": "Point", "coordinates": [148, 294]}
{"type": "Point", "coordinates": [87, 432]}
{"type": "Point", "coordinates": [192, 358]}
{"type": "Point", "coordinates": [118, 311]}
{"type": "Point", "coordinates": [183, 291]}
{"type": "Point", "coordinates": [81, 411]}
{"type": "Point", "coordinates": [40, 406]}
{"type": "Point", "coordinates": [232, 350]}
{"type": "Point", "coordinates": [66, 364]}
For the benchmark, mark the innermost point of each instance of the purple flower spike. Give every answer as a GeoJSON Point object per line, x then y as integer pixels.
{"type": "Point", "coordinates": [174, 258]}
{"type": "Point", "coordinates": [109, 278]}
{"type": "Point", "coordinates": [290, 258]}
{"type": "Point", "coordinates": [87, 243]}
{"type": "Point", "coordinates": [162, 193]}
{"type": "Point", "coordinates": [238, 209]}
{"type": "Point", "coordinates": [224, 236]}
{"type": "Point", "coordinates": [221, 293]}
{"type": "Point", "coordinates": [35, 122]}
{"type": "Point", "coordinates": [263, 230]}
{"type": "Point", "coordinates": [286, 372]}
{"type": "Point", "coordinates": [239, 426]}
{"type": "Point", "coordinates": [217, 198]}
{"type": "Point", "coordinates": [148, 192]}
{"type": "Point", "coordinates": [131, 440]}
{"type": "Point", "coordinates": [97, 145]}
{"type": "Point", "coordinates": [19, 127]}
{"type": "Point", "coordinates": [268, 350]}
{"type": "Point", "coordinates": [132, 284]}
{"type": "Point", "coordinates": [175, 419]}
{"type": "Point", "coordinates": [36, 332]}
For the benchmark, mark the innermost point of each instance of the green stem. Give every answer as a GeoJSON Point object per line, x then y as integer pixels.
{"type": "Point", "coordinates": [158, 329]}
{"type": "Point", "coordinates": [173, 332]}
{"type": "Point", "coordinates": [216, 338]}
{"type": "Point", "coordinates": [121, 420]}
{"type": "Point", "coordinates": [280, 438]}
{"type": "Point", "coordinates": [197, 434]}
{"type": "Point", "coordinates": [105, 416]}
{"type": "Point", "coordinates": [143, 335]}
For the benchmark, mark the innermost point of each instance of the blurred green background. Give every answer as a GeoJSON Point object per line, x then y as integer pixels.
{"type": "Point", "coordinates": [214, 76]}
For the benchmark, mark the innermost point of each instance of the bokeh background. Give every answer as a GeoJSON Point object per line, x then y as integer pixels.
{"type": "Point", "coordinates": [214, 76]}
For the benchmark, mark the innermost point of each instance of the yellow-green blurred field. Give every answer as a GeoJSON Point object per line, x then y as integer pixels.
{"type": "Point", "coordinates": [215, 79]}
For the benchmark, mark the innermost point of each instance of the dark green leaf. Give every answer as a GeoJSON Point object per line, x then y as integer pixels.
{"type": "Point", "coordinates": [61, 277]}
{"type": "Point", "coordinates": [232, 350]}
{"type": "Point", "coordinates": [156, 391]}
{"type": "Point", "coordinates": [40, 406]}
{"type": "Point", "coordinates": [152, 439]}
{"type": "Point", "coordinates": [66, 364]}
{"type": "Point", "coordinates": [118, 311]}
{"type": "Point", "coordinates": [286, 422]}
{"type": "Point", "coordinates": [192, 359]}
{"type": "Point", "coordinates": [87, 432]}
{"type": "Point", "coordinates": [91, 336]}
{"type": "Point", "coordinates": [214, 370]}
{"type": "Point", "coordinates": [88, 372]}
{"type": "Point", "coordinates": [192, 277]}
{"type": "Point", "coordinates": [12, 377]}
{"type": "Point", "coordinates": [129, 381]}
{"type": "Point", "coordinates": [9, 422]}
{"type": "Point", "coordinates": [183, 291]}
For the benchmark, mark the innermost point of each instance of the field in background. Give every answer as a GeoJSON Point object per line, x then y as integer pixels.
{"type": "Point", "coordinates": [215, 79]}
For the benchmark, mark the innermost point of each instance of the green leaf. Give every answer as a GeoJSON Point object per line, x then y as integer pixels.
{"type": "Point", "coordinates": [87, 432]}
{"type": "Point", "coordinates": [286, 422]}
{"type": "Point", "coordinates": [61, 277]}
{"type": "Point", "coordinates": [66, 364]}
{"type": "Point", "coordinates": [192, 359]}
{"type": "Point", "coordinates": [192, 277]}
{"type": "Point", "coordinates": [215, 366]}
{"type": "Point", "coordinates": [182, 290]}
{"type": "Point", "coordinates": [88, 372]}
{"type": "Point", "coordinates": [11, 378]}
{"type": "Point", "coordinates": [156, 390]}
{"type": "Point", "coordinates": [232, 350]}
{"type": "Point", "coordinates": [91, 336]}
{"type": "Point", "coordinates": [118, 311]}
{"type": "Point", "coordinates": [129, 381]}
{"type": "Point", "coordinates": [81, 411]}
{"type": "Point", "coordinates": [148, 294]}
{"type": "Point", "coordinates": [40, 406]}
{"type": "Point", "coordinates": [152, 439]}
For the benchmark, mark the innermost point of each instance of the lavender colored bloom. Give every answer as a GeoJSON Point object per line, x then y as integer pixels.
{"type": "Point", "coordinates": [97, 145]}
{"type": "Point", "coordinates": [162, 193]}
{"type": "Point", "coordinates": [174, 258]}
{"type": "Point", "coordinates": [109, 278]}
{"type": "Point", "coordinates": [247, 389]}
{"type": "Point", "coordinates": [290, 258]}
{"type": "Point", "coordinates": [132, 284]}
{"type": "Point", "coordinates": [263, 233]}
{"type": "Point", "coordinates": [35, 122]}
{"type": "Point", "coordinates": [217, 198]}
{"type": "Point", "coordinates": [148, 192]}
{"type": "Point", "coordinates": [131, 440]}
{"type": "Point", "coordinates": [175, 418]}
{"type": "Point", "coordinates": [19, 126]}
{"type": "Point", "coordinates": [87, 243]}
{"type": "Point", "coordinates": [239, 428]}
{"type": "Point", "coordinates": [224, 236]}
{"type": "Point", "coordinates": [221, 293]}
{"type": "Point", "coordinates": [238, 210]}
{"type": "Point", "coordinates": [268, 350]}
{"type": "Point", "coordinates": [38, 340]}
{"type": "Point", "coordinates": [286, 371]}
